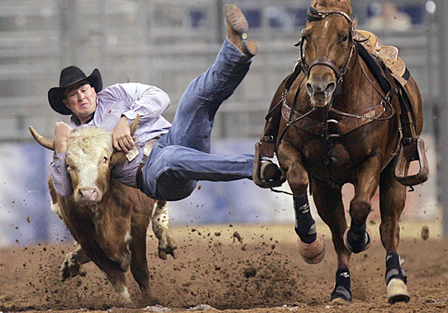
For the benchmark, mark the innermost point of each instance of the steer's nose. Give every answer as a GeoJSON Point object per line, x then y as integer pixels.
{"type": "Point", "coordinates": [88, 194]}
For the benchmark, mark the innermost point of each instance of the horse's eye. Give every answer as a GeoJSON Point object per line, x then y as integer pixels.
{"type": "Point", "coordinates": [345, 38]}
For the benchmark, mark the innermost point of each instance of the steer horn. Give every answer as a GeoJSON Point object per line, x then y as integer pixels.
{"type": "Point", "coordinates": [135, 124]}
{"type": "Point", "coordinates": [45, 142]}
{"type": "Point", "coordinates": [49, 143]}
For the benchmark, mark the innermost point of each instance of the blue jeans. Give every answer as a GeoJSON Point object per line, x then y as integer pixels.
{"type": "Point", "coordinates": [182, 157]}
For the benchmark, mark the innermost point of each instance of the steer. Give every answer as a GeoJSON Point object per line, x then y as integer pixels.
{"type": "Point", "coordinates": [107, 219]}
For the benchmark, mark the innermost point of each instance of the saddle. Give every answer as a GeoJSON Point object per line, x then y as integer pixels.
{"type": "Point", "coordinates": [383, 62]}
{"type": "Point", "coordinates": [388, 54]}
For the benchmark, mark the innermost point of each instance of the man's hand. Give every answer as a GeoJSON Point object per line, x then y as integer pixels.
{"type": "Point", "coordinates": [121, 136]}
{"type": "Point", "coordinates": [61, 133]}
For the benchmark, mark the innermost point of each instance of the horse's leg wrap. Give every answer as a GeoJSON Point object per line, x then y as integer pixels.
{"type": "Point", "coordinates": [305, 226]}
{"type": "Point", "coordinates": [357, 238]}
{"type": "Point", "coordinates": [396, 279]}
{"type": "Point", "coordinates": [341, 289]}
{"type": "Point", "coordinates": [311, 245]}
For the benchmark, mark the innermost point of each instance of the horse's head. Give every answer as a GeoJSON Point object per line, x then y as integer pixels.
{"type": "Point", "coordinates": [326, 48]}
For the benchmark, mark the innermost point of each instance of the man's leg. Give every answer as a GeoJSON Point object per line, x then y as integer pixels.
{"type": "Point", "coordinates": [194, 117]}
{"type": "Point", "coordinates": [171, 172]}
{"type": "Point", "coordinates": [181, 157]}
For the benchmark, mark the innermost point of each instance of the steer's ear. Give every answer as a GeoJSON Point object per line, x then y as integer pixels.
{"type": "Point", "coordinates": [117, 158]}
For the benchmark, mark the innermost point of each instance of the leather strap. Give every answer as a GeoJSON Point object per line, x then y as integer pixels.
{"type": "Point", "coordinates": [139, 175]}
{"type": "Point", "coordinates": [147, 150]}
{"type": "Point", "coordinates": [343, 126]}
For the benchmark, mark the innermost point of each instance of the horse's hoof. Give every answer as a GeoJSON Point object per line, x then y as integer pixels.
{"type": "Point", "coordinates": [397, 291]}
{"type": "Point", "coordinates": [356, 247]}
{"type": "Point", "coordinates": [340, 301]}
{"type": "Point", "coordinates": [340, 296]}
{"type": "Point", "coordinates": [312, 253]}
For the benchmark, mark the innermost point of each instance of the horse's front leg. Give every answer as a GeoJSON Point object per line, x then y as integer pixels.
{"type": "Point", "coordinates": [328, 200]}
{"type": "Point", "coordinates": [357, 238]}
{"type": "Point", "coordinates": [311, 244]}
{"type": "Point", "coordinates": [392, 201]}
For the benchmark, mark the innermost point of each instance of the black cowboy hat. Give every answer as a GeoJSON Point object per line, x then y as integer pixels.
{"type": "Point", "coordinates": [70, 76]}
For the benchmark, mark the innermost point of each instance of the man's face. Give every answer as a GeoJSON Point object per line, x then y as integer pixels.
{"type": "Point", "coordinates": [81, 100]}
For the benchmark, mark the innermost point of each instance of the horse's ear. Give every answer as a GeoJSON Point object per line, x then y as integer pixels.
{"type": "Point", "coordinates": [355, 24]}
{"type": "Point", "coordinates": [346, 6]}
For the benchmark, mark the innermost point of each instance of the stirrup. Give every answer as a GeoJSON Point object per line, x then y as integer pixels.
{"type": "Point", "coordinates": [413, 150]}
{"type": "Point", "coordinates": [256, 172]}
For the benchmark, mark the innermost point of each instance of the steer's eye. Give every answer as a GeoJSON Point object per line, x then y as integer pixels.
{"type": "Point", "coordinates": [70, 167]}
{"type": "Point", "coordinates": [105, 160]}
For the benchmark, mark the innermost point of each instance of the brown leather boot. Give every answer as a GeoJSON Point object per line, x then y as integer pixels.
{"type": "Point", "coordinates": [237, 28]}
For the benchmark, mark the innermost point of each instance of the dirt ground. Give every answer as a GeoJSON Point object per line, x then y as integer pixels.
{"type": "Point", "coordinates": [229, 268]}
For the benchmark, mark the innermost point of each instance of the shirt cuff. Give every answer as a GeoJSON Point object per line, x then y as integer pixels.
{"type": "Point", "coordinates": [59, 162]}
{"type": "Point", "coordinates": [131, 115]}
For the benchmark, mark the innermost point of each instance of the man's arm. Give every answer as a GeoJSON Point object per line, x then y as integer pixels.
{"type": "Point", "coordinates": [121, 136]}
{"type": "Point", "coordinates": [147, 101]}
{"type": "Point", "coordinates": [58, 168]}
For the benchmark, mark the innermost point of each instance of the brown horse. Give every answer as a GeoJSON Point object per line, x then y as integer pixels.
{"type": "Point", "coordinates": [339, 125]}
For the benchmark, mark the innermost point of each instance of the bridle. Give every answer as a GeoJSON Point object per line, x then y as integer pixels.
{"type": "Point", "coordinates": [302, 67]}
{"type": "Point", "coordinates": [312, 16]}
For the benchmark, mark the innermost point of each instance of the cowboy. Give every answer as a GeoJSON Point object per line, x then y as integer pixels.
{"type": "Point", "coordinates": [166, 160]}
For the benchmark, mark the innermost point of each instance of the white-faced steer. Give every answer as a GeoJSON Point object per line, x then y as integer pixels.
{"type": "Point", "coordinates": [107, 219]}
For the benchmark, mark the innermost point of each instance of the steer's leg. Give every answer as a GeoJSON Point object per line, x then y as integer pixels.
{"type": "Point", "coordinates": [139, 265]}
{"type": "Point", "coordinates": [160, 227]}
{"type": "Point", "coordinates": [328, 200]}
{"type": "Point", "coordinates": [392, 201]}
{"type": "Point", "coordinates": [111, 269]}
{"type": "Point", "coordinates": [118, 280]}
{"type": "Point", "coordinates": [72, 265]}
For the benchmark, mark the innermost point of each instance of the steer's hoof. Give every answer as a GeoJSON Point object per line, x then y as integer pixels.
{"type": "Point", "coordinates": [397, 291]}
{"type": "Point", "coordinates": [167, 244]}
{"type": "Point", "coordinates": [71, 268]}
{"type": "Point", "coordinates": [312, 253]}
{"type": "Point", "coordinates": [355, 243]}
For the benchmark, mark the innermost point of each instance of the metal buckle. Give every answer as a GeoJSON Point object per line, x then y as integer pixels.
{"type": "Point", "coordinates": [269, 138]}
{"type": "Point", "coordinates": [335, 122]}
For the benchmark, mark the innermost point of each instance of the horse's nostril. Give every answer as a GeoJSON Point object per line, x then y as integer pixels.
{"type": "Point", "coordinates": [309, 88]}
{"type": "Point", "coordinates": [330, 88]}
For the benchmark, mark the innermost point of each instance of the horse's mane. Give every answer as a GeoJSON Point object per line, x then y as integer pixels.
{"type": "Point", "coordinates": [331, 5]}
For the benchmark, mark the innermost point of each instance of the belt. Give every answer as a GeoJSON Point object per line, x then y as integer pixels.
{"type": "Point", "coordinates": [139, 175]}
{"type": "Point", "coordinates": [146, 151]}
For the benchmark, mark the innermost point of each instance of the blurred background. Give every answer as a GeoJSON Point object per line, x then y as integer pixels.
{"type": "Point", "coordinates": [167, 43]}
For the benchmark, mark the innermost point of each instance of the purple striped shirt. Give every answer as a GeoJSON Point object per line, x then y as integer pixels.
{"type": "Point", "coordinates": [127, 99]}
